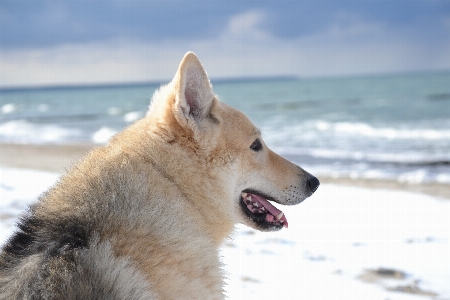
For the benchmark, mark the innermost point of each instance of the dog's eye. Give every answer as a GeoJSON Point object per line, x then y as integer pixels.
{"type": "Point", "coordinates": [256, 146]}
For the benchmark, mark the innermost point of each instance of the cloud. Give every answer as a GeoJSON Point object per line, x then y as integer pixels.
{"type": "Point", "coordinates": [246, 25]}
{"type": "Point", "coordinates": [111, 61]}
{"type": "Point", "coordinates": [349, 45]}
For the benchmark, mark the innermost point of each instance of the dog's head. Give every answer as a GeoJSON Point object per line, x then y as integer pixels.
{"type": "Point", "coordinates": [230, 149]}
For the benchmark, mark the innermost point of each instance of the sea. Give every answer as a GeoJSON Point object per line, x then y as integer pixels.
{"type": "Point", "coordinates": [390, 127]}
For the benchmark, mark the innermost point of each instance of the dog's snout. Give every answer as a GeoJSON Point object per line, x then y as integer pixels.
{"type": "Point", "coordinates": [313, 183]}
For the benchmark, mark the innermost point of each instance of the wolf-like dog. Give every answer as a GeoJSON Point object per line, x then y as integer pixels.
{"type": "Point", "coordinates": [144, 216]}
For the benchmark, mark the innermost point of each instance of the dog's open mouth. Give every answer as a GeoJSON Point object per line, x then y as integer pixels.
{"type": "Point", "coordinates": [262, 212]}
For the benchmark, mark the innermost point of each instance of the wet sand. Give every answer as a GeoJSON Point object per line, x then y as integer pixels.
{"type": "Point", "coordinates": [57, 158]}
{"type": "Point", "coordinates": [51, 158]}
{"type": "Point", "coordinates": [434, 189]}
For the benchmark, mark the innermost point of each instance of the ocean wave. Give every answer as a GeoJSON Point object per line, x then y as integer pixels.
{"type": "Point", "coordinates": [8, 108]}
{"type": "Point", "coordinates": [404, 158]}
{"type": "Point", "coordinates": [46, 119]}
{"type": "Point", "coordinates": [279, 127]}
{"type": "Point", "coordinates": [405, 167]}
{"type": "Point", "coordinates": [366, 130]}
{"type": "Point", "coordinates": [133, 116]}
{"type": "Point", "coordinates": [370, 172]}
{"type": "Point", "coordinates": [102, 135]}
{"type": "Point", "coordinates": [21, 131]}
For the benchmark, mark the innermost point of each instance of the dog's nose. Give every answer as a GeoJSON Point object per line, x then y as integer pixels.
{"type": "Point", "coordinates": [313, 183]}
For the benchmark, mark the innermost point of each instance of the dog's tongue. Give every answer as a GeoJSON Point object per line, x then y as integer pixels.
{"type": "Point", "coordinates": [272, 209]}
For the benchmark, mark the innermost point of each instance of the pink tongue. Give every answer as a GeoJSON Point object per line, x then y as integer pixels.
{"type": "Point", "coordinates": [272, 209]}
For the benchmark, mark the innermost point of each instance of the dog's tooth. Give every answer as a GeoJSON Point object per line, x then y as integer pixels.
{"type": "Point", "coordinates": [280, 215]}
{"type": "Point", "coordinates": [263, 208]}
{"type": "Point", "coordinates": [249, 198]}
{"type": "Point", "coordinates": [255, 204]}
{"type": "Point", "coordinates": [244, 195]}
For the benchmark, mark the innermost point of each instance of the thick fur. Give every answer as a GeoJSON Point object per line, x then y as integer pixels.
{"type": "Point", "coordinates": [143, 217]}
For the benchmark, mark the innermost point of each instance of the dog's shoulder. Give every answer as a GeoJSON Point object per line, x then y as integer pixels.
{"type": "Point", "coordinates": [63, 260]}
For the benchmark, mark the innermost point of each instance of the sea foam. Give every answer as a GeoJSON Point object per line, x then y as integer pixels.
{"type": "Point", "coordinates": [24, 132]}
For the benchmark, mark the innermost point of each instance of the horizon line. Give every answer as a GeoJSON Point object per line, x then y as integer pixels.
{"type": "Point", "coordinates": [124, 84]}
{"type": "Point", "coordinates": [217, 80]}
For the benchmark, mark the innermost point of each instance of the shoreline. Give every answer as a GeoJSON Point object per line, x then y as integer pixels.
{"type": "Point", "coordinates": [428, 188]}
{"type": "Point", "coordinates": [50, 158]}
{"type": "Point", "coordinates": [57, 158]}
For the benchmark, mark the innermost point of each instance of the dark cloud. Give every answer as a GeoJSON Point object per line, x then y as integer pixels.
{"type": "Point", "coordinates": [46, 23]}
{"type": "Point", "coordinates": [99, 41]}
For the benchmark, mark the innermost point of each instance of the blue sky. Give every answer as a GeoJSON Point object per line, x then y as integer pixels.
{"type": "Point", "coordinates": [99, 41]}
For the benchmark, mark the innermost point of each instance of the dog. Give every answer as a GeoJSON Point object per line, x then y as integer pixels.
{"type": "Point", "coordinates": [144, 216]}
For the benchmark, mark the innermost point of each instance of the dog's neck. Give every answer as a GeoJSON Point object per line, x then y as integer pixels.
{"type": "Point", "coordinates": [190, 189]}
{"type": "Point", "coordinates": [165, 241]}
{"type": "Point", "coordinates": [168, 246]}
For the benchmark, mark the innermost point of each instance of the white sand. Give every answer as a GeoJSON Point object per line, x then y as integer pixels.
{"type": "Point", "coordinates": [335, 237]}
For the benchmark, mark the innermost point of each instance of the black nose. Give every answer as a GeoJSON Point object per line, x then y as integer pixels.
{"type": "Point", "coordinates": [313, 183]}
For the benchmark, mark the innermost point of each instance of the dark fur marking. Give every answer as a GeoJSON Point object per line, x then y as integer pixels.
{"type": "Point", "coordinates": [72, 236]}
{"type": "Point", "coordinates": [35, 236]}
{"type": "Point", "coordinates": [21, 244]}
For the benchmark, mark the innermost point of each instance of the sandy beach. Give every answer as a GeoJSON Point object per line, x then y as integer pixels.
{"type": "Point", "coordinates": [354, 239]}
{"type": "Point", "coordinates": [50, 158]}
{"type": "Point", "coordinates": [57, 158]}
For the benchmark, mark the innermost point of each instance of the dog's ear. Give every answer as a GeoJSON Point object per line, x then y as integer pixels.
{"type": "Point", "coordinates": [194, 97]}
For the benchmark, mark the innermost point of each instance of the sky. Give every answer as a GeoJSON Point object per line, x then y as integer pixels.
{"type": "Point", "coordinates": [49, 42]}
